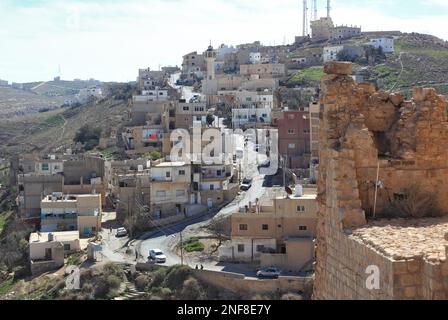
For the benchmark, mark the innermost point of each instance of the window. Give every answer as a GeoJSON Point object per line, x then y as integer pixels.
{"type": "Point", "coordinates": [243, 227]}
{"type": "Point", "coordinates": [260, 248]}
{"type": "Point", "coordinates": [67, 247]}
{"type": "Point", "coordinates": [218, 173]}
{"type": "Point", "coordinates": [186, 108]}
{"type": "Point", "coordinates": [291, 131]}
{"type": "Point", "coordinates": [161, 194]}
{"type": "Point", "coordinates": [212, 187]}
{"type": "Point", "coordinates": [291, 145]}
{"type": "Point", "coordinates": [45, 167]}
{"type": "Point", "coordinates": [168, 174]}
{"type": "Point", "coordinates": [181, 172]}
{"type": "Point", "coordinates": [300, 209]}
{"type": "Point", "coordinates": [265, 227]}
{"type": "Point", "coordinates": [241, 248]}
{"type": "Point", "coordinates": [303, 228]}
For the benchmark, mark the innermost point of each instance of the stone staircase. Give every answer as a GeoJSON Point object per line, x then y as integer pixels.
{"type": "Point", "coordinates": [129, 292]}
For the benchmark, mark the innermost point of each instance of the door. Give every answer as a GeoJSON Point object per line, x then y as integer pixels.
{"type": "Point", "coordinates": [47, 253]}
{"type": "Point", "coordinates": [210, 203]}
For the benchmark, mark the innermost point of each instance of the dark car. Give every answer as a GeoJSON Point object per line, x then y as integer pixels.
{"type": "Point", "coordinates": [247, 184]}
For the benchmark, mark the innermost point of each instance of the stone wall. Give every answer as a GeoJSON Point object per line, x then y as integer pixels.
{"type": "Point", "coordinates": [362, 130]}
{"type": "Point", "coordinates": [237, 283]}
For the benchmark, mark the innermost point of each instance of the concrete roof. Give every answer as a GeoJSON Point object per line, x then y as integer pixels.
{"type": "Point", "coordinates": [171, 164]}
{"type": "Point", "coordinates": [58, 236]}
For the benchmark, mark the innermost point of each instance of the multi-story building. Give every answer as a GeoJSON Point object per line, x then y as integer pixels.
{"type": "Point", "coordinates": [344, 32]}
{"type": "Point", "coordinates": [143, 139]}
{"type": "Point", "coordinates": [331, 53]}
{"type": "Point", "coordinates": [61, 212]}
{"type": "Point", "coordinates": [71, 174]}
{"type": "Point", "coordinates": [148, 79]}
{"type": "Point", "coordinates": [278, 231]}
{"type": "Point", "coordinates": [170, 185]}
{"type": "Point", "coordinates": [255, 57]}
{"type": "Point", "coordinates": [387, 44]}
{"type": "Point", "coordinates": [193, 65]}
{"type": "Point", "coordinates": [321, 29]}
{"type": "Point", "coordinates": [129, 183]}
{"type": "Point", "coordinates": [294, 138]}
{"type": "Point", "coordinates": [186, 113]}
{"type": "Point", "coordinates": [270, 70]}
{"type": "Point", "coordinates": [143, 112]}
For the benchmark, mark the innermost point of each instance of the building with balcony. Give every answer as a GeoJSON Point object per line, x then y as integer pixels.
{"type": "Point", "coordinates": [169, 191]}
{"type": "Point", "coordinates": [61, 212]}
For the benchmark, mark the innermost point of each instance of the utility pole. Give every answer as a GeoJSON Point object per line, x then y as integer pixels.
{"type": "Point", "coordinates": [181, 249]}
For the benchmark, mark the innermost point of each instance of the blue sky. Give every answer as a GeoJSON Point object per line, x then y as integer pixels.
{"type": "Point", "coordinates": [109, 40]}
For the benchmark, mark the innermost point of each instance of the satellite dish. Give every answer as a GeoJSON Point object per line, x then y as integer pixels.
{"type": "Point", "coordinates": [288, 190]}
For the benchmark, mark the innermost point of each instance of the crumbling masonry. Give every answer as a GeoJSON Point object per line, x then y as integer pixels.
{"type": "Point", "coordinates": [362, 130]}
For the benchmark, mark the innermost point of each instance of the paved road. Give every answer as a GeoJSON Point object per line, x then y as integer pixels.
{"type": "Point", "coordinates": [166, 238]}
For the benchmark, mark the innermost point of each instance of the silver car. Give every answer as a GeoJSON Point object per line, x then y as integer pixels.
{"type": "Point", "coordinates": [121, 232]}
{"type": "Point", "coordinates": [272, 273]}
{"type": "Point", "coordinates": [157, 256]}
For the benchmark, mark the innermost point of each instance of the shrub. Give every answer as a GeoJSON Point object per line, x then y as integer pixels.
{"type": "Point", "coordinates": [413, 203]}
{"type": "Point", "coordinates": [113, 282]}
{"type": "Point", "coordinates": [193, 245]}
{"type": "Point", "coordinates": [157, 278]}
{"type": "Point", "coordinates": [141, 282]}
{"type": "Point", "coordinates": [89, 136]}
{"type": "Point", "coordinates": [176, 276]}
{"type": "Point", "coordinates": [191, 290]}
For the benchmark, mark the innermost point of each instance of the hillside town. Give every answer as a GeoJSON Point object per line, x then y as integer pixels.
{"type": "Point", "coordinates": [261, 169]}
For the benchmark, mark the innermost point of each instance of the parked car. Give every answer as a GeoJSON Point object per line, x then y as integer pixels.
{"type": "Point", "coordinates": [157, 255]}
{"type": "Point", "coordinates": [121, 232]}
{"type": "Point", "coordinates": [271, 272]}
{"type": "Point", "coordinates": [247, 184]}
{"type": "Point", "coordinates": [265, 164]}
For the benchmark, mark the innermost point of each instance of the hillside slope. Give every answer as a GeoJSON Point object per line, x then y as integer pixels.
{"type": "Point", "coordinates": [14, 102]}
{"type": "Point", "coordinates": [47, 131]}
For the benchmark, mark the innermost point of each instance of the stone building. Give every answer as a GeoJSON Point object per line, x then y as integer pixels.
{"type": "Point", "coordinates": [276, 231]}
{"type": "Point", "coordinates": [268, 70]}
{"type": "Point", "coordinates": [381, 156]}
{"type": "Point", "coordinates": [294, 138]}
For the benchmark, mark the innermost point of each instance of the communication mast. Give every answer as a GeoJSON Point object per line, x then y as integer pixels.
{"type": "Point", "coordinates": [328, 8]}
{"type": "Point", "coordinates": [305, 18]}
{"type": "Point", "coordinates": [313, 10]}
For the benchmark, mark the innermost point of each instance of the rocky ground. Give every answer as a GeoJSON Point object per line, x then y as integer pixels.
{"type": "Point", "coordinates": [407, 238]}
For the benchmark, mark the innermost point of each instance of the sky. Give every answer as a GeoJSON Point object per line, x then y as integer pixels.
{"type": "Point", "coordinates": [110, 40]}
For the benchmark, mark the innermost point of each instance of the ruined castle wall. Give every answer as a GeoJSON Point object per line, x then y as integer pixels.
{"type": "Point", "coordinates": [361, 128]}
